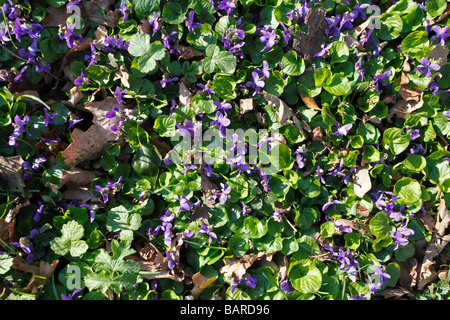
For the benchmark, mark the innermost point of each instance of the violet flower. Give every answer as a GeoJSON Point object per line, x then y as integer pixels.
{"type": "Point", "coordinates": [333, 23]}
{"type": "Point", "coordinates": [331, 202]}
{"type": "Point", "coordinates": [207, 230]}
{"type": "Point", "coordinates": [118, 93]}
{"type": "Point", "coordinates": [48, 119]}
{"type": "Point", "coordinates": [245, 209]}
{"type": "Point", "coordinates": [257, 84]}
{"type": "Point", "coordinates": [324, 51]}
{"type": "Point", "coordinates": [19, 128]}
{"type": "Point", "coordinates": [155, 23]}
{"type": "Point", "coordinates": [190, 22]}
{"type": "Point", "coordinates": [425, 67]}
{"type": "Point", "coordinates": [110, 189]}
{"type": "Point", "coordinates": [401, 235]}
{"type": "Point", "coordinates": [228, 6]}
{"type": "Point", "coordinates": [168, 41]}
{"type": "Point", "coordinates": [377, 279]}
{"type": "Point", "coordinates": [206, 89]}
{"type": "Point", "coordinates": [71, 296]}
{"type": "Point", "coordinates": [381, 77]}
{"type": "Point", "coordinates": [71, 38]}
{"type": "Point", "coordinates": [37, 215]}
{"type": "Point", "coordinates": [342, 130]}
{"type": "Point", "coordinates": [166, 81]}
{"type": "Point", "coordinates": [82, 79]}
{"type": "Point", "coordinates": [92, 210]}
{"type": "Point", "coordinates": [123, 10]}
{"type": "Point", "coordinates": [225, 194]}
{"type": "Point", "coordinates": [442, 33]}
{"type": "Point", "coordinates": [276, 215]}
{"type": "Point", "coordinates": [268, 36]}
{"type": "Point", "coordinates": [222, 122]}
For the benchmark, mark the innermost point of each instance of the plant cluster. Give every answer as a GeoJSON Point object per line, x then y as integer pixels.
{"type": "Point", "coordinates": [97, 202]}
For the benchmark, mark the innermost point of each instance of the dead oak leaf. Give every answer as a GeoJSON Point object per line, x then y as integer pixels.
{"type": "Point", "coordinates": [77, 177]}
{"type": "Point", "coordinates": [39, 274]}
{"type": "Point", "coordinates": [200, 283]}
{"type": "Point", "coordinates": [361, 181]}
{"type": "Point", "coordinates": [11, 171]}
{"type": "Point", "coordinates": [239, 266]}
{"type": "Point", "coordinates": [86, 145]}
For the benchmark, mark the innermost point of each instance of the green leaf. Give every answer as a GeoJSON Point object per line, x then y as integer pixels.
{"type": "Point", "coordinates": [379, 225]}
{"type": "Point", "coordinates": [165, 125]}
{"type": "Point", "coordinates": [339, 52]}
{"type": "Point", "coordinates": [391, 26]}
{"type": "Point", "coordinates": [146, 53]}
{"type": "Point", "coordinates": [414, 42]}
{"type": "Point", "coordinates": [435, 7]}
{"type": "Point", "coordinates": [338, 85]}
{"type": "Point", "coordinates": [144, 8]}
{"type": "Point", "coordinates": [146, 160]}
{"type": "Point", "coordinates": [5, 263]}
{"type": "Point", "coordinates": [322, 76]}
{"type": "Point", "coordinates": [291, 65]}
{"type": "Point", "coordinates": [173, 13]}
{"type": "Point", "coordinates": [120, 220]}
{"type": "Point", "coordinates": [413, 163]}
{"type": "Point", "coordinates": [70, 242]}
{"type": "Point", "coordinates": [253, 227]}
{"type": "Point", "coordinates": [306, 279]}
{"type": "Point", "coordinates": [395, 141]}
{"type": "Point", "coordinates": [409, 191]}
{"type": "Point", "coordinates": [280, 157]}
{"type": "Point", "coordinates": [224, 60]}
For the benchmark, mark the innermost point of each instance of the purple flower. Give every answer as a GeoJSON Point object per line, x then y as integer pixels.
{"type": "Point", "coordinates": [276, 215]}
{"type": "Point", "coordinates": [331, 202]}
{"type": "Point", "coordinates": [112, 43]}
{"type": "Point", "coordinates": [118, 93]}
{"type": "Point", "coordinates": [37, 215]}
{"type": "Point", "coordinates": [207, 230]}
{"type": "Point", "coordinates": [415, 134]}
{"type": "Point", "coordinates": [342, 130]}
{"type": "Point", "coordinates": [401, 235]}
{"type": "Point", "coordinates": [222, 121]}
{"type": "Point", "coordinates": [48, 119]}
{"type": "Point", "coordinates": [357, 12]}
{"type": "Point", "coordinates": [227, 5]}
{"type": "Point", "coordinates": [171, 259]}
{"type": "Point", "coordinates": [73, 120]}
{"type": "Point", "coordinates": [225, 194]}
{"type": "Point", "coordinates": [71, 296]}
{"type": "Point", "coordinates": [268, 36]}
{"type": "Point", "coordinates": [257, 84]}
{"type": "Point", "coordinates": [82, 79]}
{"type": "Point", "coordinates": [206, 89]}
{"type": "Point", "coordinates": [165, 81]}
{"type": "Point", "coordinates": [155, 23]}
{"type": "Point", "coordinates": [425, 67]}
{"type": "Point", "coordinates": [245, 209]}
{"type": "Point", "coordinates": [299, 158]}
{"type": "Point", "coordinates": [333, 23]}
{"type": "Point", "coordinates": [93, 57]}
{"type": "Point", "coordinates": [69, 36]}
{"type": "Point", "coordinates": [27, 247]}
{"type": "Point", "coordinates": [123, 10]}
{"type": "Point", "coordinates": [248, 280]}
{"type": "Point", "coordinates": [168, 41]}
{"type": "Point", "coordinates": [446, 113]}
{"type": "Point", "coordinates": [184, 203]}
{"type": "Point", "coordinates": [110, 189]}
{"type": "Point", "coordinates": [287, 32]}
{"type": "Point", "coordinates": [190, 22]}
{"type": "Point", "coordinates": [324, 50]}
{"type": "Point", "coordinates": [19, 128]}
{"type": "Point", "coordinates": [377, 279]}
{"type": "Point", "coordinates": [381, 77]}
{"type": "Point", "coordinates": [92, 210]}
{"type": "Point", "coordinates": [30, 53]}
{"type": "Point", "coordinates": [442, 33]}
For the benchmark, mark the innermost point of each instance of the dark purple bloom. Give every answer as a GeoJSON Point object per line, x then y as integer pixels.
{"type": "Point", "coordinates": [227, 5]}
{"type": "Point", "coordinates": [268, 36]}
{"type": "Point", "coordinates": [425, 67]}
{"type": "Point", "coordinates": [37, 162]}
{"type": "Point", "coordinates": [276, 215]}
{"type": "Point", "coordinates": [30, 53]}
{"type": "Point", "coordinates": [257, 84]}
{"type": "Point", "coordinates": [93, 57]}
{"type": "Point", "coordinates": [184, 203]}
{"type": "Point", "coordinates": [401, 235]}
{"type": "Point", "coordinates": [71, 38]}
{"type": "Point", "coordinates": [171, 259]}
{"type": "Point", "coordinates": [206, 89]}
{"type": "Point", "coordinates": [415, 134]}
{"type": "Point", "coordinates": [446, 113]}
{"type": "Point", "coordinates": [123, 10]}
{"type": "Point", "coordinates": [381, 77]}
{"type": "Point", "coordinates": [82, 79]}
{"type": "Point", "coordinates": [222, 121]}
{"type": "Point", "coordinates": [358, 12]}
{"type": "Point", "coordinates": [71, 296]}
{"type": "Point", "coordinates": [92, 210]}
{"type": "Point", "coordinates": [245, 209]}
{"type": "Point", "coordinates": [207, 230]}
{"type": "Point", "coordinates": [110, 189]}
{"type": "Point", "coordinates": [287, 32]}
{"type": "Point", "coordinates": [377, 279]}
{"type": "Point", "coordinates": [155, 23]}
{"type": "Point", "coordinates": [342, 130]}
{"type": "Point", "coordinates": [118, 93]}
{"type": "Point", "coordinates": [168, 41]}
{"type": "Point", "coordinates": [331, 202]}
{"type": "Point", "coordinates": [19, 128]}
{"type": "Point", "coordinates": [442, 33]}
{"type": "Point", "coordinates": [73, 120]}
{"type": "Point", "coordinates": [37, 215]}
{"type": "Point", "coordinates": [333, 23]}
{"type": "Point", "coordinates": [190, 22]}
{"type": "Point", "coordinates": [48, 118]}
{"type": "Point", "coordinates": [112, 43]}
{"type": "Point", "coordinates": [324, 50]}
{"type": "Point", "coordinates": [166, 81]}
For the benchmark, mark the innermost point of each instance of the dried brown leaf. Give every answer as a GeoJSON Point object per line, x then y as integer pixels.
{"type": "Point", "coordinates": [39, 274]}
{"type": "Point", "coordinates": [77, 177]}
{"type": "Point", "coordinates": [239, 266]}
{"type": "Point", "coordinates": [11, 172]}
{"type": "Point", "coordinates": [201, 283]}
{"type": "Point", "coordinates": [245, 105]}
{"type": "Point", "coordinates": [361, 181]}
{"type": "Point", "coordinates": [123, 75]}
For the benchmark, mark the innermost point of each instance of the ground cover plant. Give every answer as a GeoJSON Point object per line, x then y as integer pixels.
{"type": "Point", "coordinates": [328, 175]}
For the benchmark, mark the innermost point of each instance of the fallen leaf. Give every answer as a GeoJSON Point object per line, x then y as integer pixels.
{"type": "Point", "coordinates": [361, 181]}
{"type": "Point", "coordinates": [245, 105]}
{"type": "Point", "coordinates": [394, 293]}
{"type": "Point", "coordinates": [201, 283]}
{"type": "Point", "coordinates": [239, 266]}
{"type": "Point", "coordinates": [77, 177]}
{"type": "Point", "coordinates": [309, 44]}
{"type": "Point", "coordinates": [438, 242]}
{"type": "Point", "coordinates": [7, 230]}
{"type": "Point", "coordinates": [39, 274]}
{"type": "Point", "coordinates": [188, 52]}
{"type": "Point", "coordinates": [185, 93]}
{"type": "Point", "coordinates": [11, 172]}
{"type": "Point", "coordinates": [99, 109]}
{"type": "Point", "coordinates": [86, 145]}
{"type": "Point", "coordinates": [122, 75]}
{"type": "Point", "coordinates": [440, 54]}
{"type": "Point", "coordinates": [82, 194]}
{"type": "Point", "coordinates": [408, 273]}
